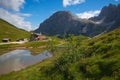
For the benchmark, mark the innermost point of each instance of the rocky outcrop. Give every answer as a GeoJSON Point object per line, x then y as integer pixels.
{"type": "Point", "coordinates": [110, 17]}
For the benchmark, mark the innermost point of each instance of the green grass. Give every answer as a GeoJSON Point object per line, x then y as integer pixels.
{"type": "Point", "coordinates": [81, 59]}
{"type": "Point", "coordinates": [9, 31]}
{"type": "Point", "coordinates": [35, 46]}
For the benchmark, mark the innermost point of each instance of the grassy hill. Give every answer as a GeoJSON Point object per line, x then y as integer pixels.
{"type": "Point", "coordinates": [90, 59]}
{"type": "Point", "coordinates": [81, 59]}
{"type": "Point", "coordinates": [9, 31]}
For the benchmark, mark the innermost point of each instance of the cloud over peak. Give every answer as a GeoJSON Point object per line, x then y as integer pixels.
{"type": "Point", "coordinates": [88, 14]}
{"type": "Point", "coordinates": [72, 2]}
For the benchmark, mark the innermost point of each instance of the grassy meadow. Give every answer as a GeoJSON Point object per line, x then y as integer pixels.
{"type": "Point", "coordinates": [11, 31]}
{"type": "Point", "coordinates": [77, 58]}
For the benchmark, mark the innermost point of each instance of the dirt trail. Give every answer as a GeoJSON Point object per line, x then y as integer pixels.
{"type": "Point", "coordinates": [12, 43]}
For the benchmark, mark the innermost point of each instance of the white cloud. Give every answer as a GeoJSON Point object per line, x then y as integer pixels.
{"type": "Point", "coordinates": [88, 14]}
{"type": "Point", "coordinates": [12, 4]}
{"type": "Point", "coordinates": [15, 19]}
{"type": "Point", "coordinates": [72, 2]}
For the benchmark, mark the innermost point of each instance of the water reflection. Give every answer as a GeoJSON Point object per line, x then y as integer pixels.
{"type": "Point", "coordinates": [19, 59]}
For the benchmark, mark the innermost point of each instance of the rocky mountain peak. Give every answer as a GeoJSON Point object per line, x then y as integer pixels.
{"type": "Point", "coordinates": [62, 15]}
{"type": "Point", "coordinates": [108, 13]}
{"type": "Point", "coordinates": [64, 22]}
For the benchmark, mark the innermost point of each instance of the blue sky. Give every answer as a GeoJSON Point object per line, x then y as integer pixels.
{"type": "Point", "coordinates": [28, 14]}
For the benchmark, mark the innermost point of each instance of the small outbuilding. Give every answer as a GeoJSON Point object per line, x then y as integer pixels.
{"type": "Point", "coordinates": [6, 40]}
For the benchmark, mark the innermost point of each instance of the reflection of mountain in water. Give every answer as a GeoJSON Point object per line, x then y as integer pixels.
{"type": "Point", "coordinates": [18, 59]}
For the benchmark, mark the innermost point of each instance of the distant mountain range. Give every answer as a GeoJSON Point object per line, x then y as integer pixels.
{"type": "Point", "coordinates": [7, 30]}
{"type": "Point", "coordinates": [64, 22]}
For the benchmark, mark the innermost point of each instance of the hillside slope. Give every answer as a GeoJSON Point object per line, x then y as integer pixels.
{"type": "Point", "coordinates": [83, 59]}
{"type": "Point", "coordinates": [9, 31]}
{"type": "Point", "coordinates": [92, 59]}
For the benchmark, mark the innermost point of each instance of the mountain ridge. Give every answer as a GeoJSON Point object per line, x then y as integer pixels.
{"type": "Point", "coordinates": [64, 22]}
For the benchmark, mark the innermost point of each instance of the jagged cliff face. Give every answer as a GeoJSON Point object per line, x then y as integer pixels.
{"type": "Point", "coordinates": [110, 17]}
{"type": "Point", "coordinates": [109, 13]}
{"type": "Point", "coordinates": [64, 22]}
